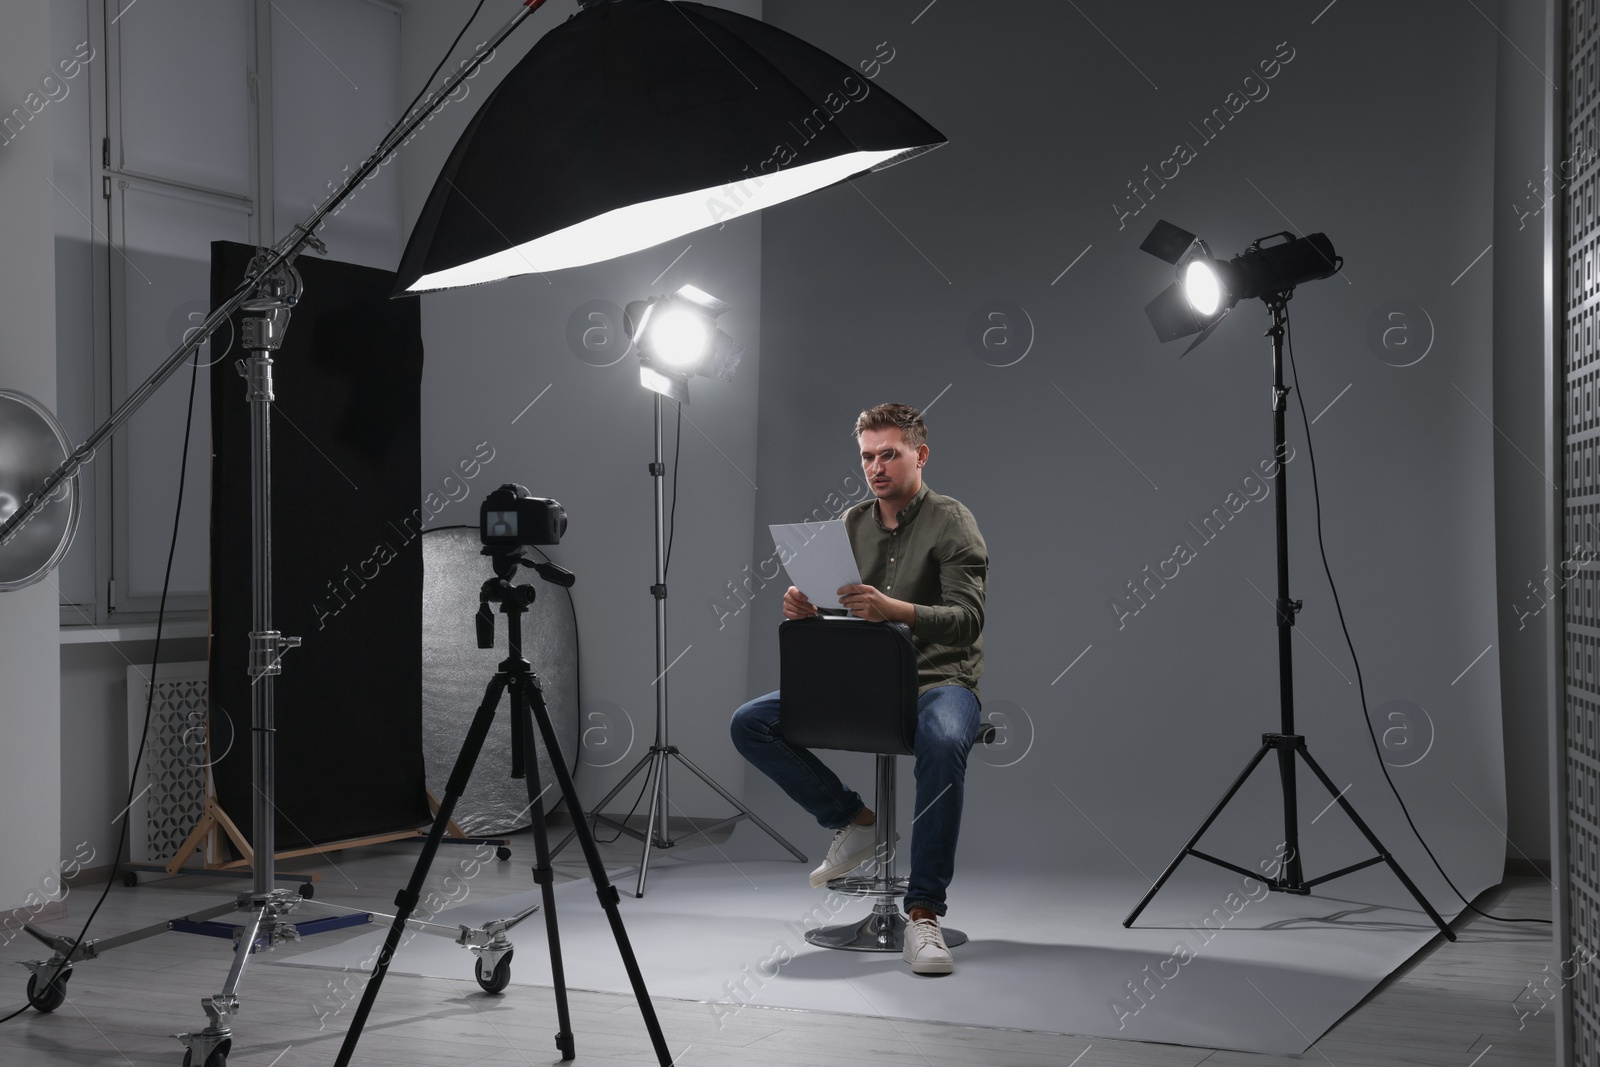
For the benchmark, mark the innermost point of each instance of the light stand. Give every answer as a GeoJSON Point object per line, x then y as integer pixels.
{"type": "Point", "coordinates": [657, 832]}
{"type": "Point", "coordinates": [1286, 743]}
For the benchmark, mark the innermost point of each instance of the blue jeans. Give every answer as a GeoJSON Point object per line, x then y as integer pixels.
{"type": "Point", "coordinates": [947, 724]}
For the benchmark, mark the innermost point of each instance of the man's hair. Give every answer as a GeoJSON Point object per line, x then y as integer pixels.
{"type": "Point", "coordinates": [901, 416]}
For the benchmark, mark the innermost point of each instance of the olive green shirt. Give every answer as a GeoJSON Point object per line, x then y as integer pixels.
{"type": "Point", "coordinates": [935, 559]}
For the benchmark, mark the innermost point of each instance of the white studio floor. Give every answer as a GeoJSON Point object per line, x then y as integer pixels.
{"type": "Point", "coordinates": [1045, 955]}
{"type": "Point", "coordinates": [701, 924]}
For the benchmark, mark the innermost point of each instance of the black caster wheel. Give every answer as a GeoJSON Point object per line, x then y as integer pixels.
{"type": "Point", "coordinates": [48, 997]}
{"type": "Point", "coordinates": [494, 983]}
{"type": "Point", "coordinates": [307, 891]}
{"type": "Point", "coordinates": [130, 879]}
{"type": "Point", "coordinates": [502, 853]}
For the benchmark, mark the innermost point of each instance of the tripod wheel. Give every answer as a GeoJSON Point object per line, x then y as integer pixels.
{"type": "Point", "coordinates": [307, 891]}
{"type": "Point", "coordinates": [48, 996]}
{"type": "Point", "coordinates": [502, 853]}
{"type": "Point", "coordinates": [500, 978]}
{"type": "Point", "coordinates": [130, 879]}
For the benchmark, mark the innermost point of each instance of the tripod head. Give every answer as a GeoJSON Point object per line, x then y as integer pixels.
{"type": "Point", "coordinates": [513, 599]}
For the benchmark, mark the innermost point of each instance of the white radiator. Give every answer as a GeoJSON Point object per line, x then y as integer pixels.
{"type": "Point", "coordinates": [170, 781]}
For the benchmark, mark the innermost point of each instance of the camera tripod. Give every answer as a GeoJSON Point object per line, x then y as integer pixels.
{"type": "Point", "coordinates": [517, 676]}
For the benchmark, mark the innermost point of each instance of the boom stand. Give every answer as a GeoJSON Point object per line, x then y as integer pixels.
{"type": "Point", "coordinates": [274, 293]}
{"type": "Point", "coordinates": [657, 833]}
{"type": "Point", "coordinates": [1286, 743]}
{"type": "Point", "coordinates": [270, 291]}
{"type": "Point", "coordinates": [268, 905]}
{"type": "Point", "coordinates": [517, 675]}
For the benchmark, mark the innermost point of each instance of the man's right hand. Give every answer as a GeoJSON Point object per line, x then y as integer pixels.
{"type": "Point", "coordinates": [796, 606]}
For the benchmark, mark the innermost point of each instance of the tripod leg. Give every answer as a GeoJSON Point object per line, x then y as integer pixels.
{"type": "Point", "coordinates": [1204, 826]}
{"type": "Point", "coordinates": [603, 889]}
{"type": "Point", "coordinates": [542, 871]}
{"type": "Point", "coordinates": [739, 806]}
{"type": "Point", "coordinates": [1372, 839]}
{"type": "Point", "coordinates": [1292, 874]}
{"type": "Point", "coordinates": [406, 900]}
{"type": "Point", "coordinates": [655, 781]}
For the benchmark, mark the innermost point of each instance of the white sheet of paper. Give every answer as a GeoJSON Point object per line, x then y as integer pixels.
{"type": "Point", "coordinates": [819, 559]}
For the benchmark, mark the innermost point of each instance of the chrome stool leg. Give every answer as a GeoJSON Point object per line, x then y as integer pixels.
{"type": "Point", "coordinates": [885, 929]}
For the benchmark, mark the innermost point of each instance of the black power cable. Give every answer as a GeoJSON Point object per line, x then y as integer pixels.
{"type": "Point", "coordinates": [1360, 688]}
{"type": "Point", "coordinates": [43, 991]}
{"type": "Point", "coordinates": [672, 524]}
{"type": "Point", "coordinates": [672, 519]}
{"type": "Point", "coordinates": [618, 835]}
{"type": "Point", "coordinates": [442, 61]}
{"type": "Point", "coordinates": [166, 581]}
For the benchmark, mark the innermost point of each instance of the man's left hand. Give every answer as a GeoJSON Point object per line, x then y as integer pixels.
{"type": "Point", "coordinates": [870, 603]}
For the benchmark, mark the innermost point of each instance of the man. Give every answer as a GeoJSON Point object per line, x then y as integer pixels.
{"type": "Point", "coordinates": [922, 562]}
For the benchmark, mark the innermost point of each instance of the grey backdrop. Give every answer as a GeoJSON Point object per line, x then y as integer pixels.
{"type": "Point", "coordinates": [1084, 461]}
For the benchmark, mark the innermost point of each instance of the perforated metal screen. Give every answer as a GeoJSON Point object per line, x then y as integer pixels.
{"type": "Point", "coordinates": [1580, 429]}
{"type": "Point", "coordinates": [171, 779]}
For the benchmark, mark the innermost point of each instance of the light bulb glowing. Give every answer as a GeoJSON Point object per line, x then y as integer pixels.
{"type": "Point", "coordinates": [679, 338]}
{"type": "Point", "coordinates": [1201, 287]}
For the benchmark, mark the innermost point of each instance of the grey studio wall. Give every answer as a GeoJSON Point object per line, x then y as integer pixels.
{"type": "Point", "coordinates": [1085, 460]}
{"type": "Point", "coordinates": [30, 762]}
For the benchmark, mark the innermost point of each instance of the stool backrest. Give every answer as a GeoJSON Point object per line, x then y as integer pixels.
{"type": "Point", "coordinates": [847, 684]}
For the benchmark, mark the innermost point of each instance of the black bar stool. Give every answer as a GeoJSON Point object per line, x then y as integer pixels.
{"type": "Point", "coordinates": [851, 685]}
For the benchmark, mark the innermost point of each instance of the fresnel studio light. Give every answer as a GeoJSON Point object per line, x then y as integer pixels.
{"type": "Point", "coordinates": [1205, 290]}
{"type": "Point", "coordinates": [677, 338]}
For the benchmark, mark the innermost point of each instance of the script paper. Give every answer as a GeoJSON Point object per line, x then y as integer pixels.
{"type": "Point", "coordinates": [819, 559]}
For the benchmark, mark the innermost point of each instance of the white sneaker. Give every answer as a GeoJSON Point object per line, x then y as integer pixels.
{"type": "Point", "coordinates": [925, 948]}
{"type": "Point", "coordinates": [852, 846]}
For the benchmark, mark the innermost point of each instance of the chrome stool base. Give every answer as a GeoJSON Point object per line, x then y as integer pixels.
{"type": "Point", "coordinates": [885, 929]}
{"type": "Point", "coordinates": [882, 931]}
